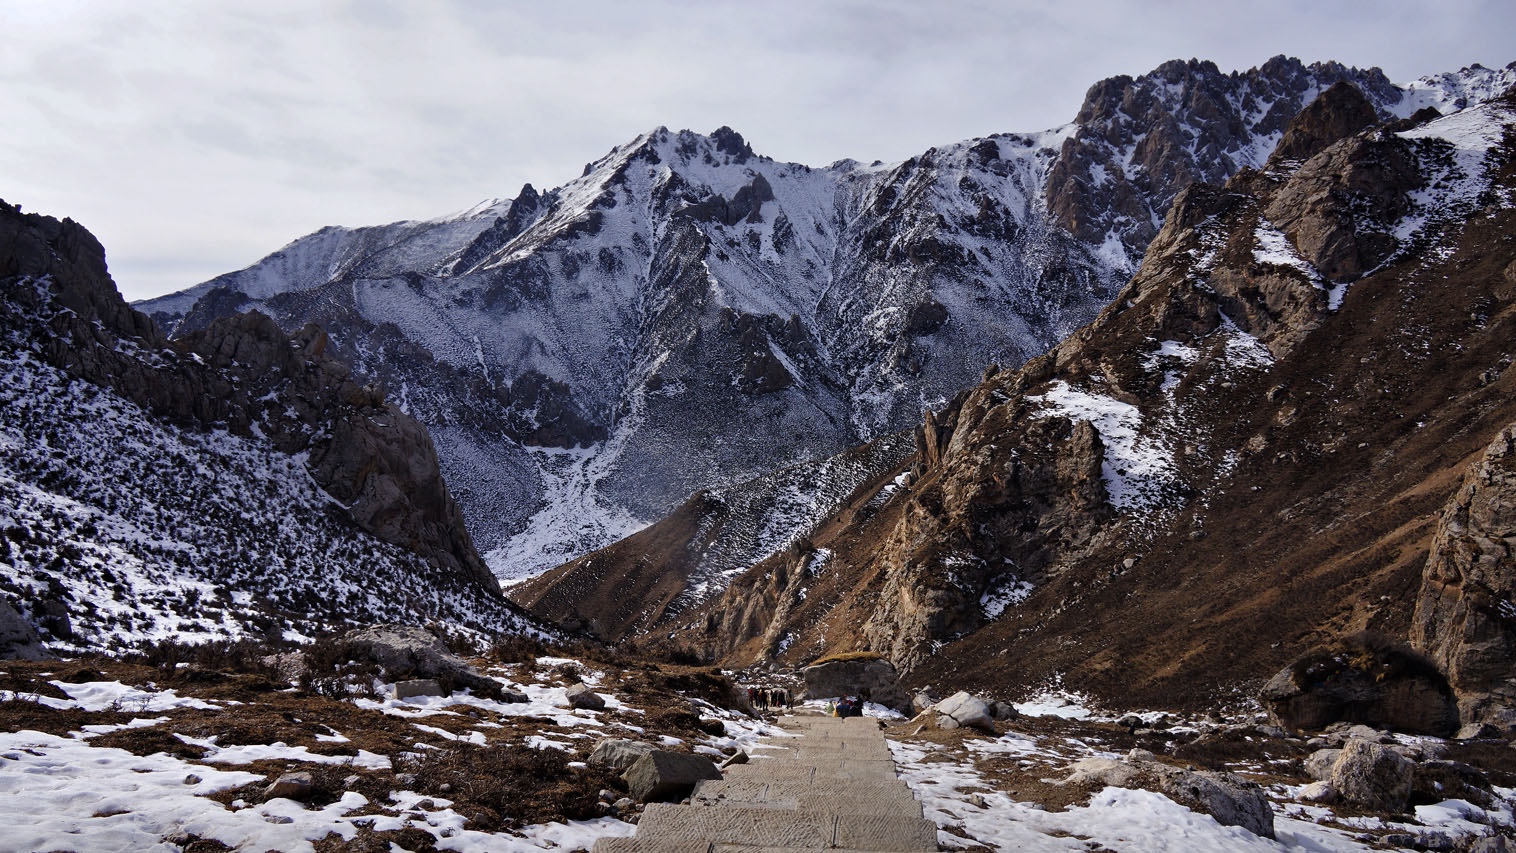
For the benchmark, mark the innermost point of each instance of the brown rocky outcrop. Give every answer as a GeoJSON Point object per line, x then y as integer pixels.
{"type": "Point", "coordinates": [1296, 459]}
{"type": "Point", "coordinates": [1338, 113]}
{"type": "Point", "coordinates": [1362, 680]}
{"type": "Point", "coordinates": [243, 374]}
{"type": "Point", "coordinates": [1465, 616]}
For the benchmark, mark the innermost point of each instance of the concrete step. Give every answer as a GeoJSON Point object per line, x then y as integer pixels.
{"type": "Point", "coordinates": [892, 790]}
{"type": "Point", "coordinates": [667, 823]}
{"type": "Point", "coordinates": [793, 771]}
{"type": "Point", "coordinates": [821, 802]}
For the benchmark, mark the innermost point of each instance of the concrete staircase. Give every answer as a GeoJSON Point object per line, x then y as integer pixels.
{"type": "Point", "coordinates": [831, 788]}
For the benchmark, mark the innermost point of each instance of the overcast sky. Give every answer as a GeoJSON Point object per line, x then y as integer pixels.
{"type": "Point", "coordinates": [195, 137]}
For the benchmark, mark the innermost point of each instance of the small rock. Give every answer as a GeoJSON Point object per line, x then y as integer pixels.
{"type": "Point", "coordinates": [1140, 755]}
{"type": "Point", "coordinates": [1319, 792]}
{"type": "Point", "coordinates": [1475, 731]}
{"type": "Point", "coordinates": [192, 779]}
{"type": "Point", "coordinates": [1004, 711]}
{"type": "Point", "coordinates": [353, 779]}
{"type": "Point", "coordinates": [608, 795]}
{"type": "Point", "coordinates": [179, 838]}
{"type": "Point", "coordinates": [294, 786]}
{"type": "Point", "coordinates": [623, 804]}
{"type": "Point", "coordinates": [1272, 731]}
{"type": "Point", "coordinates": [1131, 722]}
{"type": "Point", "coordinates": [1319, 765]}
{"type": "Point", "coordinates": [418, 687]}
{"type": "Point", "coordinates": [278, 818]}
{"type": "Point", "coordinates": [426, 805]}
{"type": "Point", "coordinates": [1369, 734]}
{"type": "Point", "coordinates": [511, 698]}
{"type": "Point", "coordinates": [1316, 743]}
{"type": "Point", "coordinates": [1493, 844]}
{"type": "Point", "coordinates": [740, 758]}
{"type": "Point", "coordinates": [978, 801]}
{"type": "Point", "coordinates": [580, 696]}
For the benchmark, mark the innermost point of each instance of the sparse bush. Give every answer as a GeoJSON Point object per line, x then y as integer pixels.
{"type": "Point", "coordinates": [514, 648]}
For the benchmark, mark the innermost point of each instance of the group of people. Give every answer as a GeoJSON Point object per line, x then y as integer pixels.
{"type": "Point", "coordinates": [770, 697]}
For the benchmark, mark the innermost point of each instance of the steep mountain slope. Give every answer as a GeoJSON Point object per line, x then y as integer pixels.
{"type": "Point", "coordinates": [1247, 453]}
{"type": "Point", "coordinates": [585, 356]}
{"type": "Point", "coordinates": [233, 482]}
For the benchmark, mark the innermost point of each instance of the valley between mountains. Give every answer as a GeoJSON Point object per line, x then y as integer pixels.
{"type": "Point", "coordinates": [1150, 477]}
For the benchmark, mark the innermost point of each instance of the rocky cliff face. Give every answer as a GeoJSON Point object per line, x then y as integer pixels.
{"type": "Point", "coordinates": [564, 346]}
{"type": "Point", "coordinates": [238, 451]}
{"type": "Point", "coordinates": [1239, 448]}
{"type": "Point", "coordinates": [1466, 612]}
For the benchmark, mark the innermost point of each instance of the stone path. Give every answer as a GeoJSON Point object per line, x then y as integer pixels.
{"type": "Point", "coordinates": [833, 787]}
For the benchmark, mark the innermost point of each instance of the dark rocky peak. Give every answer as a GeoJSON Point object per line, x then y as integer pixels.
{"type": "Point", "coordinates": [1339, 112]}
{"type": "Point", "coordinates": [69, 255]}
{"type": "Point", "coordinates": [527, 207]}
{"type": "Point", "coordinates": [731, 143]}
{"type": "Point", "coordinates": [746, 204]}
{"type": "Point", "coordinates": [1140, 140]}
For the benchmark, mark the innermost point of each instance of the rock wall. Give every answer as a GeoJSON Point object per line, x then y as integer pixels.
{"type": "Point", "coordinates": [1466, 611]}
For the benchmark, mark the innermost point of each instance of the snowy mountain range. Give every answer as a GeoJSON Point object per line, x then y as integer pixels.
{"type": "Point", "coordinates": [688, 314]}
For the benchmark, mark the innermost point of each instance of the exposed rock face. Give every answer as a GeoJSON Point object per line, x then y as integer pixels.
{"type": "Point", "coordinates": [1340, 112]}
{"type": "Point", "coordinates": [1141, 141]}
{"type": "Point", "coordinates": [618, 753]}
{"type": "Point", "coordinates": [1095, 514]}
{"type": "Point", "coordinates": [1466, 612]}
{"type": "Point", "coordinates": [1362, 684]}
{"type": "Point", "coordinates": [870, 679]}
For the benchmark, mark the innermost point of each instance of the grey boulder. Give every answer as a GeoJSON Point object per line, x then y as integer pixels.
{"type": "Point", "coordinates": [871, 679]}
{"type": "Point", "coordinates": [661, 775]}
{"type": "Point", "coordinates": [18, 638]}
{"type": "Point", "coordinates": [294, 786]}
{"type": "Point", "coordinates": [964, 709]}
{"type": "Point", "coordinates": [410, 650]}
{"type": "Point", "coordinates": [619, 753]}
{"type": "Point", "coordinates": [581, 696]}
{"type": "Point", "coordinates": [1373, 776]}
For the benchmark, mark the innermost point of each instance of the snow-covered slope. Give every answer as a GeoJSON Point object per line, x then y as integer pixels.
{"type": "Point", "coordinates": [233, 483]}
{"type": "Point", "coordinates": [687, 314]}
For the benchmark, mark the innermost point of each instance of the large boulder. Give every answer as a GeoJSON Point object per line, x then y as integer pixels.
{"type": "Point", "coordinates": [18, 637]}
{"type": "Point", "coordinates": [1362, 679]}
{"type": "Point", "coordinates": [412, 652]}
{"type": "Point", "coordinates": [661, 775]}
{"type": "Point", "coordinates": [964, 709]}
{"type": "Point", "coordinates": [870, 678]}
{"type": "Point", "coordinates": [618, 753]}
{"type": "Point", "coordinates": [1373, 776]}
{"type": "Point", "coordinates": [1319, 765]}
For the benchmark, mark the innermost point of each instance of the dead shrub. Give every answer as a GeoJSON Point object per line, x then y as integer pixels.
{"type": "Point", "coordinates": [502, 786]}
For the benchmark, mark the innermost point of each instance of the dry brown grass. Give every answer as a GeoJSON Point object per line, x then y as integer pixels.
{"type": "Point", "coordinates": [844, 656]}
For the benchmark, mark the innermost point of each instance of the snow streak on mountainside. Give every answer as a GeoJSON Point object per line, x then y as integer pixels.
{"type": "Point", "coordinates": [687, 314]}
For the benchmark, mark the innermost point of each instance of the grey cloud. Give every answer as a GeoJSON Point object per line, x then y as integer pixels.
{"type": "Point", "coordinates": [193, 138]}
